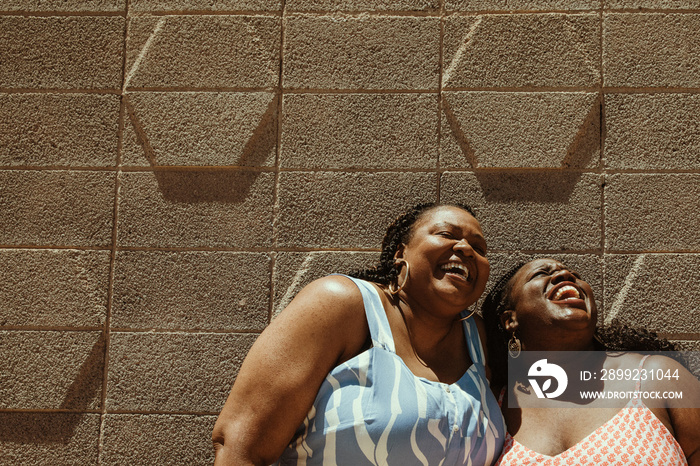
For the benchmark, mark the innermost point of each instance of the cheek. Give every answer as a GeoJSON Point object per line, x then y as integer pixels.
{"type": "Point", "coordinates": [484, 268]}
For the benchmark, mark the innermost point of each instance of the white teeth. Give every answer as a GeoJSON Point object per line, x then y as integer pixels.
{"type": "Point", "coordinates": [456, 265]}
{"type": "Point", "coordinates": [566, 289]}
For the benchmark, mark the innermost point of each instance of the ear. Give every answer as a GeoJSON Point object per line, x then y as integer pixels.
{"type": "Point", "coordinates": [509, 320]}
{"type": "Point", "coordinates": [399, 251]}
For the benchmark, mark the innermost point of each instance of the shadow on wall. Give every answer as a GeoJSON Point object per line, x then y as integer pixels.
{"type": "Point", "coordinates": [194, 185]}
{"type": "Point", "coordinates": [59, 427]}
{"type": "Point", "coordinates": [543, 185]}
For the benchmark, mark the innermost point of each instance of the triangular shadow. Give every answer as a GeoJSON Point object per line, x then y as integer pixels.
{"type": "Point", "coordinates": [459, 135]}
{"type": "Point", "coordinates": [28, 428]}
{"type": "Point", "coordinates": [508, 186]}
{"type": "Point", "coordinates": [193, 185]}
{"type": "Point", "coordinates": [587, 139]}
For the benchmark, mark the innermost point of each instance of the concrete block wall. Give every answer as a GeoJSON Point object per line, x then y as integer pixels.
{"type": "Point", "coordinates": [172, 172]}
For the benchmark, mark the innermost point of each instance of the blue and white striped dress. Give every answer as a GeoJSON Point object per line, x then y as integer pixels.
{"type": "Point", "coordinates": [372, 410]}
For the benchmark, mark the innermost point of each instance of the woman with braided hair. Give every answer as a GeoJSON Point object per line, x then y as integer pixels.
{"type": "Point", "coordinates": [383, 368]}
{"type": "Point", "coordinates": [544, 306]}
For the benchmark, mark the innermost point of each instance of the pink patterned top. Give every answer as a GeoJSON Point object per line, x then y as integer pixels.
{"type": "Point", "coordinates": [634, 436]}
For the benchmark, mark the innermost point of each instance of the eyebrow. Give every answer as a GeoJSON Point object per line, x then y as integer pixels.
{"type": "Point", "coordinates": [452, 225]}
{"type": "Point", "coordinates": [550, 268]}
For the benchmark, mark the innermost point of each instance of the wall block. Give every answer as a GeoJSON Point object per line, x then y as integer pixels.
{"type": "Point", "coordinates": [51, 370]}
{"type": "Point", "coordinates": [231, 208]}
{"type": "Point", "coordinates": [202, 52]}
{"type": "Point", "coordinates": [69, 130]}
{"type": "Point", "coordinates": [651, 212]}
{"type": "Point", "coordinates": [652, 131]}
{"type": "Point", "coordinates": [172, 372]}
{"type": "Point", "coordinates": [192, 290]}
{"type": "Point", "coordinates": [124, 442]}
{"type": "Point", "coordinates": [56, 208]}
{"type": "Point", "coordinates": [53, 287]}
{"type": "Point", "coordinates": [525, 50]}
{"type": "Point", "coordinates": [59, 52]}
{"type": "Point", "coordinates": [651, 50]}
{"type": "Point", "coordinates": [361, 52]}
{"type": "Point", "coordinates": [55, 438]}
{"type": "Point", "coordinates": [329, 209]}
{"type": "Point", "coordinates": [359, 131]}
{"type": "Point", "coordinates": [637, 289]}
{"type": "Point", "coordinates": [200, 129]}
{"type": "Point", "coordinates": [520, 130]}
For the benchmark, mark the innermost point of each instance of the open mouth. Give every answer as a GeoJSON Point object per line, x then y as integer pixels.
{"type": "Point", "coordinates": [456, 268]}
{"type": "Point", "coordinates": [566, 294]}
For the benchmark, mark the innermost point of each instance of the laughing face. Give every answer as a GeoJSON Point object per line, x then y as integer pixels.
{"type": "Point", "coordinates": [547, 296]}
{"type": "Point", "coordinates": [447, 256]}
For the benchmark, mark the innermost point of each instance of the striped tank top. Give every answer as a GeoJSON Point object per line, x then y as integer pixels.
{"type": "Point", "coordinates": [372, 410]}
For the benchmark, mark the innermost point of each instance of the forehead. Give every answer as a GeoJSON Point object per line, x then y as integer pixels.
{"type": "Point", "coordinates": [450, 215]}
{"type": "Point", "coordinates": [534, 265]}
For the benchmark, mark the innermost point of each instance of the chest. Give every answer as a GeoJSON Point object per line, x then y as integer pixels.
{"type": "Point", "coordinates": [374, 408]}
{"type": "Point", "coordinates": [553, 431]}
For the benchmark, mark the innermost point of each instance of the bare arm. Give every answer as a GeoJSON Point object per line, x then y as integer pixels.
{"type": "Point", "coordinates": [279, 379]}
{"type": "Point", "coordinates": [684, 420]}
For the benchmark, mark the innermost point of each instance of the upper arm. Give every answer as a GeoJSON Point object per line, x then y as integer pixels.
{"type": "Point", "coordinates": [280, 377]}
{"type": "Point", "coordinates": [684, 413]}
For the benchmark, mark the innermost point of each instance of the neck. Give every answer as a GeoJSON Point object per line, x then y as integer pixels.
{"type": "Point", "coordinates": [425, 330]}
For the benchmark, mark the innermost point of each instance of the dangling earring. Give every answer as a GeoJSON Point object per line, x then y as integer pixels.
{"type": "Point", "coordinates": [514, 346]}
{"type": "Point", "coordinates": [394, 291]}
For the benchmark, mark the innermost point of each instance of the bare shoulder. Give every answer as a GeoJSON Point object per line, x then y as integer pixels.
{"type": "Point", "coordinates": [334, 296]}
{"type": "Point", "coordinates": [331, 310]}
{"type": "Point", "coordinates": [335, 286]}
{"type": "Point", "coordinates": [658, 361]}
{"type": "Point", "coordinates": [669, 373]}
{"type": "Point", "coordinates": [632, 360]}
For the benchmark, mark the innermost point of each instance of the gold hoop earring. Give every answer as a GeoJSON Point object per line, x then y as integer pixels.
{"type": "Point", "coordinates": [514, 346]}
{"type": "Point", "coordinates": [394, 291]}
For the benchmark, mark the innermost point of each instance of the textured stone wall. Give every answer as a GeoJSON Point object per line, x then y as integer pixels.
{"type": "Point", "coordinates": [173, 172]}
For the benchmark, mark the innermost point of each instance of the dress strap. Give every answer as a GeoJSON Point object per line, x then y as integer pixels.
{"type": "Point", "coordinates": [500, 397]}
{"type": "Point", "coordinates": [377, 320]}
{"type": "Point", "coordinates": [471, 332]}
{"type": "Point", "coordinates": [638, 385]}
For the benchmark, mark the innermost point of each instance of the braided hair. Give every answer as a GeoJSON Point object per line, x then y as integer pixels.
{"type": "Point", "coordinates": [497, 301]}
{"type": "Point", "coordinates": [614, 337]}
{"type": "Point", "coordinates": [398, 233]}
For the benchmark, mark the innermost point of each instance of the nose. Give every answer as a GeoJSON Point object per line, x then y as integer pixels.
{"type": "Point", "coordinates": [563, 275]}
{"type": "Point", "coordinates": [464, 246]}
